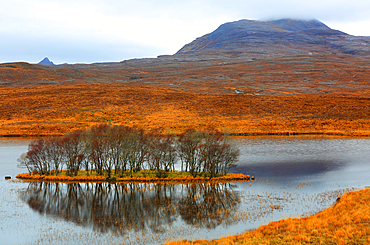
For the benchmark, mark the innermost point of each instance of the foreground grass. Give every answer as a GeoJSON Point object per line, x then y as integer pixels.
{"type": "Point", "coordinates": [140, 176]}
{"type": "Point", "coordinates": [348, 222]}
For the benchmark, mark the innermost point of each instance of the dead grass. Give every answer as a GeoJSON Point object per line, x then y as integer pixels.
{"type": "Point", "coordinates": [348, 222]}
{"type": "Point", "coordinates": [58, 109]}
{"type": "Point", "coordinates": [325, 94]}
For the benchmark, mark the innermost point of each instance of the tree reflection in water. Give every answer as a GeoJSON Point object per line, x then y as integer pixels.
{"type": "Point", "coordinates": [121, 208]}
{"type": "Point", "coordinates": [208, 205]}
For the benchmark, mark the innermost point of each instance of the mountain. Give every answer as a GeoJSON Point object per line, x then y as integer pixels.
{"type": "Point", "coordinates": [46, 61]}
{"type": "Point", "coordinates": [279, 37]}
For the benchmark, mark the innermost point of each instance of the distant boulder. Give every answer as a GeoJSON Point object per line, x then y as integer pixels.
{"type": "Point", "coordinates": [46, 61]}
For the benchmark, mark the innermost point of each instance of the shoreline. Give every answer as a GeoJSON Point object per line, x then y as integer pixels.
{"type": "Point", "coordinates": [250, 134]}
{"type": "Point", "coordinates": [345, 222]}
{"type": "Point", "coordinates": [230, 177]}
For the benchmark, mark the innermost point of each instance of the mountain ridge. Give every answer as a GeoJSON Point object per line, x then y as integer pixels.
{"type": "Point", "coordinates": [277, 37]}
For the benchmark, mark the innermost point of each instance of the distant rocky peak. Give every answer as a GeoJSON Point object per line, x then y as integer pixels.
{"type": "Point", "coordinates": [46, 61]}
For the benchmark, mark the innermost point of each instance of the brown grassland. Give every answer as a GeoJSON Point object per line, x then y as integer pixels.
{"type": "Point", "coordinates": [58, 109]}
{"type": "Point", "coordinates": [348, 222]}
{"type": "Point", "coordinates": [327, 94]}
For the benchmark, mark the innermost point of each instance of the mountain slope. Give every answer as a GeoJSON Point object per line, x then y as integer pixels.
{"type": "Point", "coordinates": [279, 37]}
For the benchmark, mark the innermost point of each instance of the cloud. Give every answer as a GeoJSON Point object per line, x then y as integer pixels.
{"type": "Point", "coordinates": [96, 30]}
{"type": "Point", "coordinates": [72, 51]}
{"type": "Point", "coordinates": [131, 28]}
{"type": "Point", "coordinates": [333, 10]}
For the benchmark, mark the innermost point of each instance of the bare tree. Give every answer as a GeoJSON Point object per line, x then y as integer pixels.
{"type": "Point", "coordinates": [73, 152]}
{"type": "Point", "coordinates": [54, 153]}
{"type": "Point", "coordinates": [100, 149]}
{"type": "Point", "coordinates": [138, 149]}
{"type": "Point", "coordinates": [36, 157]}
{"type": "Point", "coordinates": [188, 150]}
{"type": "Point", "coordinates": [169, 153]}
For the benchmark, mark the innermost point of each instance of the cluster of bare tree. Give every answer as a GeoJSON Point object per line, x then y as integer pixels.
{"type": "Point", "coordinates": [105, 148]}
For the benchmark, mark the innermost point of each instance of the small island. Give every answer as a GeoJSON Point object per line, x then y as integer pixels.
{"type": "Point", "coordinates": [141, 176]}
{"type": "Point", "coordinates": [129, 154]}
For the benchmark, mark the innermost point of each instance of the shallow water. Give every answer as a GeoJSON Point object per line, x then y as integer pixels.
{"type": "Point", "coordinates": [295, 176]}
{"type": "Point", "coordinates": [10, 150]}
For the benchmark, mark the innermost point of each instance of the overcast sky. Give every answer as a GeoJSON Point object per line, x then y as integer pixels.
{"type": "Point", "coordinates": [87, 31]}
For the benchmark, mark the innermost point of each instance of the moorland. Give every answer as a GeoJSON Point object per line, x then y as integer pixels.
{"type": "Point", "coordinates": [246, 77]}
{"type": "Point", "coordinates": [297, 94]}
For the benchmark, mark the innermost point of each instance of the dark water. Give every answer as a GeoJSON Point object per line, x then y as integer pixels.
{"type": "Point", "coordinates": [295, 176]}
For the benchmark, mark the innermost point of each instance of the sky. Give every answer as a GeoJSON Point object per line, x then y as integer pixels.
{"type": "Point", "coordinates": [88, 31]}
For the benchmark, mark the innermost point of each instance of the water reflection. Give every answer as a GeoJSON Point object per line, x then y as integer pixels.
{"type": "Point", "coordinates": [288, 170]}
{"type": "Point", "coordinates": [121, 208]}
{"type": "Point", "coordinates": [208, 205]}
{"type": "Point", "coordinates": [319, 160]}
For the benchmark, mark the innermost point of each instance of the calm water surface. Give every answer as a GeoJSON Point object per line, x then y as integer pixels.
{"type": "Point", "coordinates": [318, 160]}
{"type": "Point", "coordinates": [295, 176]}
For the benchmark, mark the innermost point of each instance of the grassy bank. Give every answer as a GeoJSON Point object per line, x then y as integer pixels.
{"type": "Point", "coordinates": [140, 176]}
{"type": "Point", "coordinates": [347, 222]}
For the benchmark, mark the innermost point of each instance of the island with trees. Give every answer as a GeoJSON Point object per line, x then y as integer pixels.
{"type": "Point", "coordinates": [130, 154]}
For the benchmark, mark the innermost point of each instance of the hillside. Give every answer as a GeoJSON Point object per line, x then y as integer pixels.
{"type": "Point", "coordinates": [261, 39]}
